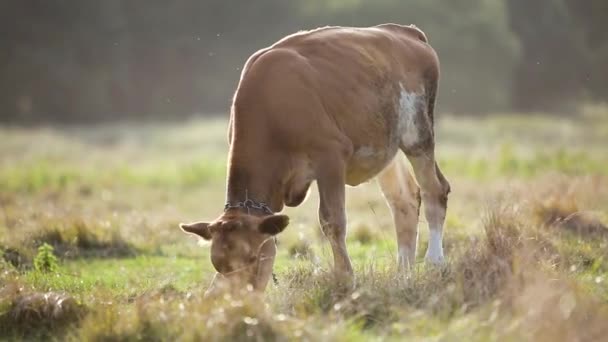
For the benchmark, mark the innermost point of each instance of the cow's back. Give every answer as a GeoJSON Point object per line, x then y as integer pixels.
{"type": "Point", "coordinates": [345, 83]}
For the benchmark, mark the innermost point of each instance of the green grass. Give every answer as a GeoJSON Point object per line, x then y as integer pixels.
{"type": "Point", "coordinates": [120, 277]}
{"type": "Point", "coordinates": [525, 235]}
{"type": "Point", "coordinates": [44, 175]}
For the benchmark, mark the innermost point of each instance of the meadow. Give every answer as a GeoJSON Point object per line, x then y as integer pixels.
{"type": "Point", "coordinates": [91, 248]}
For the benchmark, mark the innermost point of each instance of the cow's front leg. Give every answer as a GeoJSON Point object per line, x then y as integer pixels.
{"type": "Point", "coordinates": [332, 214]}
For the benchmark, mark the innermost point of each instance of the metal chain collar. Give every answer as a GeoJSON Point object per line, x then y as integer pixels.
{"type": "Point", "coordinates": [249, 204]}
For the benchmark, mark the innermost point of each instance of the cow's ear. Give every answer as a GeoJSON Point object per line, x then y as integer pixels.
{"type": "Point", "coordinates": [198, 228]}
{"type": "Point", "coordinates": [274, 224]}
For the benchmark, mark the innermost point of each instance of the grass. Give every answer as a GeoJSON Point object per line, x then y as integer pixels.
{"type": "Point", "coordinates": [526, 237]}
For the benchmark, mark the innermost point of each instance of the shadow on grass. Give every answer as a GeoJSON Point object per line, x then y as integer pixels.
{"type": "Point", "coordinates": [81, 241]}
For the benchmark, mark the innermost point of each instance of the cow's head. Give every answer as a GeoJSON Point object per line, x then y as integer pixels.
{"type": "Point", "coordinates": [242, 247]}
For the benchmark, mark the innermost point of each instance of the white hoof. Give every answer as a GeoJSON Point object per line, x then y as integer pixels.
{"type": "Point", "coordinates": [434, 259]}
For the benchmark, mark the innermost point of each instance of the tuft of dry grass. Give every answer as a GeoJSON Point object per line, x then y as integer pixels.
{"type": "Point", "coordinates": [563, 204]}
{"type": "Point", "coordinates": [563, 213]}
{"type": "Point", "coordinates": [550, 307]}
{"type": "Point", "coordinates": [37, 314]}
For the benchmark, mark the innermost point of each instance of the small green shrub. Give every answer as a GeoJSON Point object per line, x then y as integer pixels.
{"type": "Point", "coordinates": [45, 260]}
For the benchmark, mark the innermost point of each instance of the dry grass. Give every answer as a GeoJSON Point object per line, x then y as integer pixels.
{"type": "Point", "coordinates": [531, 266]}
{"type": "Point", "coordinates": [189, 317]}
{"type": "Point", "coordinates": [503, 271]}
{"type": "Point", "coordinates": [510, 274]}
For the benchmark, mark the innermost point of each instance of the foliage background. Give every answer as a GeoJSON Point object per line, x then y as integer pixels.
{"type": "Point", "coordinates": [72, 60]}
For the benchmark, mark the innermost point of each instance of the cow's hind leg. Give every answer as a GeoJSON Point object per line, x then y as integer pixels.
{"type": "Point", "coordinates": [418, 143]}
{"type": "Point", "coordinates": [434, 188]}
{"type": "Point", "coordinates": [403, 197]}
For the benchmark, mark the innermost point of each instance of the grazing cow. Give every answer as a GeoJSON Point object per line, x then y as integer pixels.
{"type": "Point", "coordinates": [333, 105]}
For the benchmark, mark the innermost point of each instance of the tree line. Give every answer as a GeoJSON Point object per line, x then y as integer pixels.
{"type": "Point", "coordinates": [86, 60]}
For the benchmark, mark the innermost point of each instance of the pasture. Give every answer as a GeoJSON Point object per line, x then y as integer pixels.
{"type": "Point", "coordinates": [526, 239]}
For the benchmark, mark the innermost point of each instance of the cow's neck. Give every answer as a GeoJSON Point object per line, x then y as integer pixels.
{"type": "Point", "coordinates": [256, 178]}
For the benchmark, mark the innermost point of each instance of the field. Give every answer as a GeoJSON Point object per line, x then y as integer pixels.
{"type": "Point", "coordinates": [526, 238]}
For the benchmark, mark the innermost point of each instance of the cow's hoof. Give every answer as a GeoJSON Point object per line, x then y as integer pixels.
{"type": "Point", "coordinates": [435, 260]}
{"type": "Point", "coordinates": [344, 281]}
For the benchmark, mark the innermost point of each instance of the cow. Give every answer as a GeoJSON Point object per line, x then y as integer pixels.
{"type": "Point", "coordinates": [333, 105]}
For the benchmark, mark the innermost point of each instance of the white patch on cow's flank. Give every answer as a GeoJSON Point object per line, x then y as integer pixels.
{"type": "Point", "coordinates": [408, 113]}
{"type": "Point", "coordinates": [368, 154]}
{"type": "Point", "coordinates": [365, 152]}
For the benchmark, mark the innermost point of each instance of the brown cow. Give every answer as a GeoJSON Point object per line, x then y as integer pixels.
{"type": "Point", "coordinates": [333, 105]}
